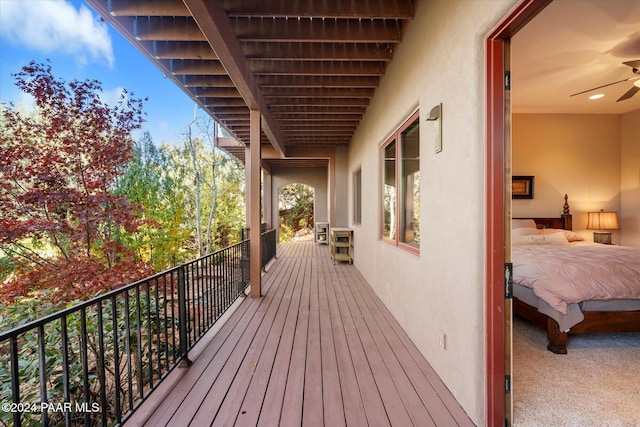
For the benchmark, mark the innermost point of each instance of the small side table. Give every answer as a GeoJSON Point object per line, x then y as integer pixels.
{"type": "Point", "coordinates": [341, 244]}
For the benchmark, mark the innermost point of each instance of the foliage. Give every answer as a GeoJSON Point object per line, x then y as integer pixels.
{"type": "Point", "coordinates": [221, 199]}
{"type": "Point", "coordinates": [58, 215]}
{"type": "Point", "coordinates": [151, 180]}
{"type": "Point", "coordinates": [84, 210]}
{"type": "Point", "coordinates": [296, 209]}
{"type": "Point", "coordinates": [87, 345]}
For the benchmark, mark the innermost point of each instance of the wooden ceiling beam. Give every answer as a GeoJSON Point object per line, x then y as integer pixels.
{"type": "Point", "coordinates": [316, 109]}
{"type": "Point", "coordinates": [216, 92]}
{"type": "Point", "coordinates": [317, 81]}
{"type": "Point", "coordinates": [223, 102]}
{"type": "Point", "coordinates": [214, 24]}
{"type": "Point", "coordinates": [321, 143]}
{"type": "Point", "coordinates": [233, 117]}
{"type": "Point", "coordinates": [313, 127]}
{"type": "Point", "coordinates": [182, 50]}
{"type": "Point", "coordinates": [319, 68]}
{"type": "Point", "coordinates": [147, 7]}
{"type": "Point", "coordinates": [328, 133]}
{"type": "Point", "coordinates": [318, 9]}
{"type": "Point", "coordinates": [300, 92]}
{"type": "Point", "coordinates": [338, 115]}
{"type": "Point", "coordinates": [285, 51]}
{"type": "Point", "coordinates": [230, 110]}
{"type": "Point", "coordinates": [228, 143]}
{"type": "Point", "coordinates": [314, 30]}
{"type": "Point", "coordinates": [194, 67]}
{"type": "Point", "coordinates": [176, 28]}
{"type": "Point", "coordinates": [207, 81]}
{"type": "Point", "coordinates": [328, 102]}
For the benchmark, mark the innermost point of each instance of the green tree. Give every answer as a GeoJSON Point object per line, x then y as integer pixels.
{"type": "Point", "coordinates": [213, 184]}
{"type": "Point", "coordinates": [151, 181]}
{"type": "Point", "coordinates": [296, 209]}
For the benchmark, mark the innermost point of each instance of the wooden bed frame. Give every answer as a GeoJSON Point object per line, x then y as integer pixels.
{"type": "Point", "coordinates": [594, 321]}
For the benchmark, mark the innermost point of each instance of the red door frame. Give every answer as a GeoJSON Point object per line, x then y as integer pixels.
{"type": "Point", "coordinates": [495, 221]}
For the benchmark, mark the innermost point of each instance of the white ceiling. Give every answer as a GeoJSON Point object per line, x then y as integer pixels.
{"type": "Point", "coordinates": [572, 46]}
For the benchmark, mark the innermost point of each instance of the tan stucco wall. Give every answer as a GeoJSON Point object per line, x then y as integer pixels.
{"type": "Point", "coordinates": [441, 60]}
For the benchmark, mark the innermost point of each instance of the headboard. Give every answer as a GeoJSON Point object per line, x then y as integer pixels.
{"type": "Point", "coordinates": [565, 221]}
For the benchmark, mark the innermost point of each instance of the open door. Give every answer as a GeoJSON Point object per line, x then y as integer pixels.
{"type": "Point", "coordinates": [498, 218]}
{"type": "Point", "coordinates": [508, 275]}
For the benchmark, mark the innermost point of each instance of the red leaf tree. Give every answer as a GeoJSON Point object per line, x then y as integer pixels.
{"type": "Point", "coordinates": [59, 219]}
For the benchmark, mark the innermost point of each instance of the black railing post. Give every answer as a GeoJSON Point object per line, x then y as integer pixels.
{"type": "Point", "coordinates": [15, 379]}
{"type": "Point", "coordinates": [103, 327]}
{"type": "Point", "coordinates": [182, 317]}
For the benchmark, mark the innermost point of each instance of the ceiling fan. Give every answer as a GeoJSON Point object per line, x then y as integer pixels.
{"type": "Point", "coordinates": [635, 66]}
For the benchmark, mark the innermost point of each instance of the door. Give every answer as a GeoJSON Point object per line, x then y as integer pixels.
{"type": "Point", "coordinates": [498, 195]}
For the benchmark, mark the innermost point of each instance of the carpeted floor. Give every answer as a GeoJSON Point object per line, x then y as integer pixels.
{"type": "Point", "coordinates": [597, 384]}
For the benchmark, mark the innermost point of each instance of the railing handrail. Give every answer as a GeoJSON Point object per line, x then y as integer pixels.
{"type": "Point", "coordinates": [102, 297]}
{"type": "Point", "coordinates": [126, 340]}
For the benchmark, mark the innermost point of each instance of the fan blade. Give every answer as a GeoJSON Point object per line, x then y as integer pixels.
{"type": "Point", "coordinates": [633, 64]}
{"type": "Point", "coordinates": [629, 93]}
{"type": "Point", "coordinates": [600, 87]}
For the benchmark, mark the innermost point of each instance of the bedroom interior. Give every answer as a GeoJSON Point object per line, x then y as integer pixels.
{"type": "Point", "coordinates": [589, 149]}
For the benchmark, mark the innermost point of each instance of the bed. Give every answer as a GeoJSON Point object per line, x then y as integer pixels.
{"type": "Point", "coordinates": [571, 286]}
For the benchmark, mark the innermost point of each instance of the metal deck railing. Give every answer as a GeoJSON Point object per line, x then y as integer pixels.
{"type": "Point", "coordinates": [96, 362]}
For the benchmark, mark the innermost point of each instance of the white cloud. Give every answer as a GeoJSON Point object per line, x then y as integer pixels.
{"type": "Point", "coordinates": [56, 26]}
{"type": "Point", "coordinates": [113, 96]}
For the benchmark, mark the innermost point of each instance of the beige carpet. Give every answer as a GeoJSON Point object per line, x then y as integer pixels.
{"type": "Point", "coordinates": [596, 384]}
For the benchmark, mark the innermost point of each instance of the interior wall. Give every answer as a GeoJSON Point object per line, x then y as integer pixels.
{"type": "Point", "coordinates": [313, 177]}
{"type": "Point", "coordinates": [575, 154]}
{"type": "Point", "coordinates": [440, 292]}
{"type": "Point", "coordinates": [630, 180]}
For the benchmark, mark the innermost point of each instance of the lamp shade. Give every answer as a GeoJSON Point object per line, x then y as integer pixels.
{"type": "Point", "coordinates": [602, 221]}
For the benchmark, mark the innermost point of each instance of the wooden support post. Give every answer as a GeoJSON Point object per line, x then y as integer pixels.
{"type": "Point", "coordinates": [332, 190]}
{"type": "Point", "coordinates": [254, 199]}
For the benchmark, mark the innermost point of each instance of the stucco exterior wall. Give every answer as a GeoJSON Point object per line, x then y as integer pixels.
{"type": "Point", "coordinates": [441, 290]}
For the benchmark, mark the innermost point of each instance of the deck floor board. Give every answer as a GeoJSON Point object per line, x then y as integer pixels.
{"type": "Point", "coordinates": [319, 348]}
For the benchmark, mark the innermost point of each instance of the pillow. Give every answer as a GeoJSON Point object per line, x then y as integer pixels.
{"type": "Point", "coordinates": [516, 232]}
{"type": "Point", "coordinates": [523, 223]}
{"type": "Point", "coordinates": [556, 239]}
{"type": "Point", "coordinates": [570, 235]}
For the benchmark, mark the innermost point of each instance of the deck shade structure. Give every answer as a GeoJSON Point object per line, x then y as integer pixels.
{"type": "Point", "coordinates": [309, 67]}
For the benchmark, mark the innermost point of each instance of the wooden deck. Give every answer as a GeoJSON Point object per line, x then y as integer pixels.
{"type": "Point", "coordinates": [319, 348]}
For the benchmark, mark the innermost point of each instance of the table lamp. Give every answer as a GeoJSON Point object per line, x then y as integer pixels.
{"type": "Point", "coordinates": [602, 221]}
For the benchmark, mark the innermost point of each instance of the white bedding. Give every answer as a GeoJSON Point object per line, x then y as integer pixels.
{"type": "Point", "coordinates": [577, 272]}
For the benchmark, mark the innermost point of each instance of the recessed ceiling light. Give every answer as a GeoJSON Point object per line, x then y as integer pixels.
{"type": "Point", "coordinates": [637, 83]}
{"type": "Point", "coordinates": [597, 96]}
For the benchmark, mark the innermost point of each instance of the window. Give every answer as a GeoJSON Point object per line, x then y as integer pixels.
{"type": "Point", "coordinates": [357, 196]}
{"type": "Point", "coordinates": [401, 186]}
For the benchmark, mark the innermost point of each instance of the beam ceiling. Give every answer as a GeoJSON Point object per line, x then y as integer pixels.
{"type": "Point", "coordinates": [310, 67]}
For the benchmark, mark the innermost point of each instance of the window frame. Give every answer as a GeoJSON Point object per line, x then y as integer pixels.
{"type": "Point", "coordinates": [357, 195]}
{"type": "Point", "coordinates": [400, 192]}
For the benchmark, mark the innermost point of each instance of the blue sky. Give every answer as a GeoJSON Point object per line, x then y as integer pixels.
{"type": "Point", "coordinates": [69, 34]}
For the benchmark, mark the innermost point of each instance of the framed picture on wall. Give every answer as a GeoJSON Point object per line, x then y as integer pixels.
{"type": "Point", "coordinates": [522, 187]}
